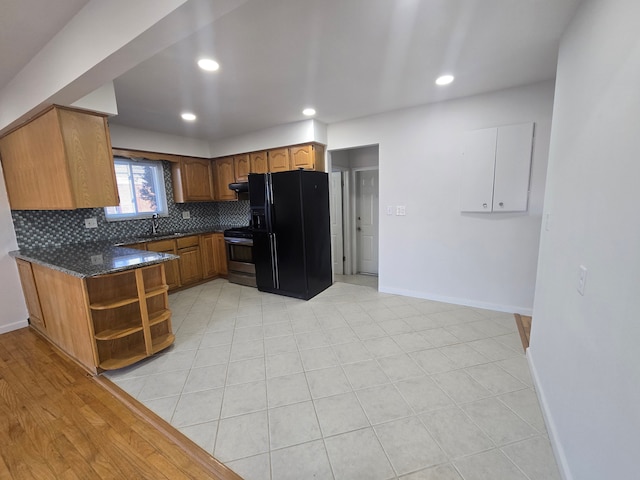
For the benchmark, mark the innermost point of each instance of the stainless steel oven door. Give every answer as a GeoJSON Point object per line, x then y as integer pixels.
{"type": "Point", "coordinates": [240, 261]}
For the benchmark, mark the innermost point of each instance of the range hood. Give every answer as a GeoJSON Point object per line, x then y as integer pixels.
{"type": "Point", "coordinates": [240, 187]}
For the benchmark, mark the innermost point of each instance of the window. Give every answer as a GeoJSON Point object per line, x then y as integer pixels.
{"type": "Point", "coordinates": [141, 190]}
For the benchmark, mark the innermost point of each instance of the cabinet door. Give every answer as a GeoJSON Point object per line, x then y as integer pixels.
{"type": "Point", "coordinates": [171, 268]}
{"type": "Point", "coordinates": [302, 157]}
{"type": "Point", "coordinates": [224, 176]}
{"type": "Point", "coordinates": [241, 167]}
{"type": "Point", "coordinates": [221, 254]}
{"type": "Point", "coordinates": [208, 247]}
{"type": "Point", "coordinates": [190, 265]}
{"type": "Point", "coordinates": [279, 160]}
{"type": "Point", "coordinates": [59, 160]}
{"type": "Point", "coordinates": [30, 294]}
{"type": "Point", "coordinates": [513, 166]}
{"type": "Point", "coordinates": [88, 149]}
{"type": "Point", "coordinates": [478, 162]}
{"type": "Point", "coordinates": [197, 180]}
{"type": "Point", "coordinates": [259, 162]}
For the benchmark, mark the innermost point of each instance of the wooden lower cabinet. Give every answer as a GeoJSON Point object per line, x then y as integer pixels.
{"type": "Point", "coordinates": [171, 268]}
{"type": "Point", "coordinates": [31, 295]}
{"type": "Point", "coordinates": [221, 254]}
{"type": "Point", "coordinates": [214, 255]}
{"type": "Point", "coordinates": [107, 321]}
{"type": "Point", "coordinates": [190, 265]}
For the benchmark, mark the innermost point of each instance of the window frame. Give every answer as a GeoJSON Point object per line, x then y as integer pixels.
{"type": "Point", "coordinates": [159, 190]}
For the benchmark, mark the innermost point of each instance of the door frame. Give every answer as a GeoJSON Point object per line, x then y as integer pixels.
{"type": "Point", "coordinates": [346, 221]}
{"type": "Point", "coordinates": [353, 216]}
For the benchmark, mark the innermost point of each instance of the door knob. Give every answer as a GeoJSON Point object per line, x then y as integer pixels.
{"type": "Point", "coordinates": [484, 205]}
{"type": "Point", "coordinates": [359, 229]}
{"type": "Point", "coordinates": [501, 204]}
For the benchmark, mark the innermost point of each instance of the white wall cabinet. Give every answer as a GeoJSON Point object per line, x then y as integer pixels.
{"type": "Point", "coordinates": [496, 164]}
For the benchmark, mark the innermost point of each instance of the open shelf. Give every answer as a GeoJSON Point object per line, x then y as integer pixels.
{"type": "Point", "coordinates": [153, 278]}
{"type": "Point", "coordinates": [156, 291]}
{"type": "Point", "coordinates": [112, 334]}
{"type": "Point", "coordinates": [159, 317]}
{"type": "Point", "coordinates": [109, 324]}
{"type": "Point", "coordinates": [130, 315]}
{"type": "Point", "coordinates": [115, 303]}
{"type": "Point", "coordinates": [115, 363]}
{"type": "Point", "coordinates": [162, 342]}
{"type": "Point", "coordinates": [120, 352]}
{"type": "Point", "coordinates": [113, 290]}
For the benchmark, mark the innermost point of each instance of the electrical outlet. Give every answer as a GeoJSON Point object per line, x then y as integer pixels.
{"type": "Point", "coordinates": [186, 215]}
{"type": "Point", "coordinates": [582, 279]}
{"type": "Point", "coordinates": [401, 210]}
{"type": "Point", "coordinates": [389, 210]}
{"type": "Point", "coordinates": [97, 259]}
{"type": "Point", "coordinates": [91, 222]}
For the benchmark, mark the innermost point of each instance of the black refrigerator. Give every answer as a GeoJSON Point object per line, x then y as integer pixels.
{"type": "Point", "coordinates": [291, 232]}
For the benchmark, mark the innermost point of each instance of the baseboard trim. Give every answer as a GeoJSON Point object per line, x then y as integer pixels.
{"type": "Point", "coordinates": [457, 300]}
{"type": "Point", "coordinates": [13, 326]}
{"type": "Point", "coordinates": [556, 445]}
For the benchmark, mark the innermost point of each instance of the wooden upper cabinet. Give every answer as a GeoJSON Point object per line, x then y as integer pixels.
{"type": "Point", "coordinates": [309, 157]}
{"type": "Point", "coordinates": [224, 175]}
{"type": "Point", "coordinates": [60, 160]}
{"type": "Point", "coordinates": [241, 167]}
{"type": "Point", "coordinates": [192, 180]}
{"type": "Point", "coordinates": [259, 162]}
{"type": "Point", "coordinates": [279, 160]}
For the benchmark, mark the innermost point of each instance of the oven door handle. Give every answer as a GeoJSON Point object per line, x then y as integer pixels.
{"type": "Point", "coordinates": [239, 241]}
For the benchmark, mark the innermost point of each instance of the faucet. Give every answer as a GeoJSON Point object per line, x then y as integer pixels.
{"type": "Point", "coordinates": [154, 223]}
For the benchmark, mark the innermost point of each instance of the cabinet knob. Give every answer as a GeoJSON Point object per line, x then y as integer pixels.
{"type": "Point", "coordinates": [501, 204]}
{"type": "Point", "coordinates": [484, 205]}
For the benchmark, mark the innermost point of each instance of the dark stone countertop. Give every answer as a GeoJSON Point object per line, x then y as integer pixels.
{"type": "Point", "coordinates": [91, 259]}
{"type": "Point", "coordinates": [100, 258]}
{"type": "Point", "coordinates": [169, 235]}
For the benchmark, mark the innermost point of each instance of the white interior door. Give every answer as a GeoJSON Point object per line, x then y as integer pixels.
{"type": "Point", "coordinates": [367, 221]}
{"type": "Point", "coordinates": [337, 242]}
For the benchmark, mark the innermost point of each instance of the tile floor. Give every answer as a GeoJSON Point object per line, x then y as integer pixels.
{"type": "Point", "coordinates": [353, 384]}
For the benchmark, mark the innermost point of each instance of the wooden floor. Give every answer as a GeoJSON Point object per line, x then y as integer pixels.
{"type": "Point", "coordinates": [524, 328]}
{"type": "Point", "coordinates": [58, 422]}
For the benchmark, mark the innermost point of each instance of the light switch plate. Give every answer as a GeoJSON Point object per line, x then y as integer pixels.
{"type": "Point", "coordinates": [186, 215]}
{"type": "Point", "coordinates": [401, 210]}
{"type": "Point", "coordinates": [389, 210]}
{"type": "Point", "coordinates": [91, 222]}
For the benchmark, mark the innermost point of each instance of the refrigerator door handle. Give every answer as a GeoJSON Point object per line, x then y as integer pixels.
{"type": "Point", "coordinates": [274, 254]}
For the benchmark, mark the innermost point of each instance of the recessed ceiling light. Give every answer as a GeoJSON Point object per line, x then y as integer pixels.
{"type": "Point", "coordinates": [189, 117]}
{"type": "Point", "coordinates": [309, 112]}
{"type": "Point", "coordinates": [208, 64]}
{"type": "Point", "coordinates": [444, 80]}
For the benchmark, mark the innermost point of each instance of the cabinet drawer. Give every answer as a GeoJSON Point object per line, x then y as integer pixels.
{"type": "Point", "coordinates": [161, 245]}
{"type": "Point", "coordinates": [185, 242]}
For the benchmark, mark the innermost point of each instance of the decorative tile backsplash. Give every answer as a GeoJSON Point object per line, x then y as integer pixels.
{"type": "Point", "coordinates": [45, 228]}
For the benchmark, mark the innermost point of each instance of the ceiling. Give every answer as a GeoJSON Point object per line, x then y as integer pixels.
{"type": "Point", "coordinates": [26, 26]}
{"type": "Point", "coordinates": [345, 58]}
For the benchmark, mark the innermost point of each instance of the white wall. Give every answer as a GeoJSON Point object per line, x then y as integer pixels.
{"type": "Point", "coordinates": [282, 135]}
{"type": "Point", "coordinates": [435, 251]}
{"type": "Point", "coordinates": [584, 349]}
{"type": "Point", "coordinates": [138, 139]}
{"type": "Point", "coordinates": [13, 311]}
